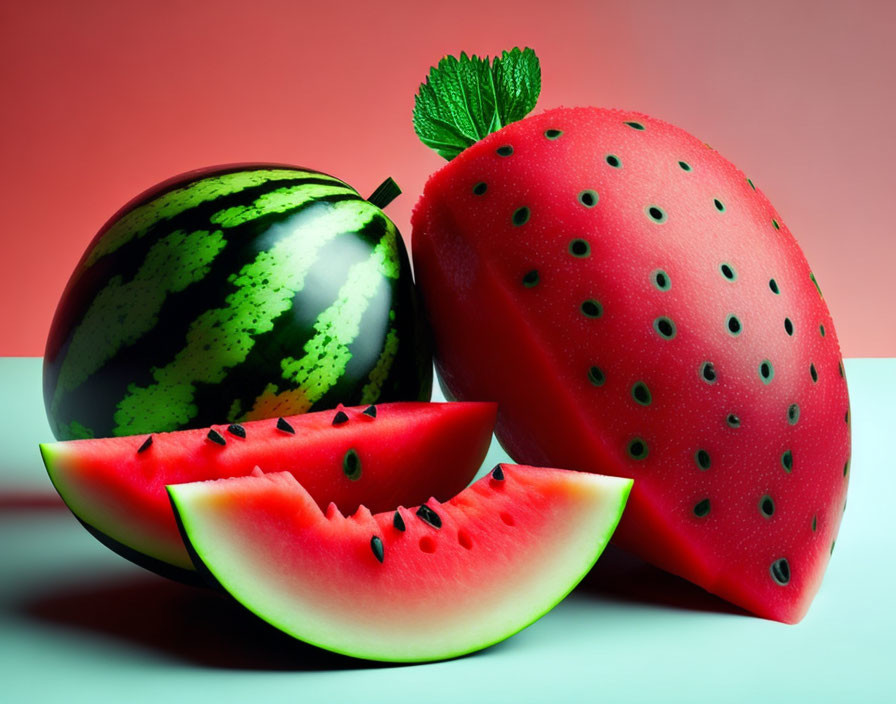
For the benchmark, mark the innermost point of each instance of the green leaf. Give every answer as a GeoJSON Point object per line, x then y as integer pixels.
{"type": "Point", "coordinates": [465, 99]}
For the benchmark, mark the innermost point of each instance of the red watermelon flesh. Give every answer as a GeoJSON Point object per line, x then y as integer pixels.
{"type": "Point", "coordinates": [637, 307]}
{"type": "Point", "coordinates": [379, 456]}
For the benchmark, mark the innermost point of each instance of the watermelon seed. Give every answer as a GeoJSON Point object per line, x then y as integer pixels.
{"type": "Point", "coordinates": [846, 417]}
{"type": "Point", "coordinates": [728, 271]}
{"type": "Point", "coordinates": [708, 372]}
{"type": "Point", "coordinates": [146, 444]}
{"type": "Point", "coordinates": [701, 508]}
{"type": "Point", "coordinates": [340, 418]}
{"type": "Point", "coordinates": [369, 411]}
{"type": "Point", "coordinates": [641, 393]}
{"type": "Point", "coordinates": [520, 216]}
{"type": "Point", "coordinates": [720, 206]}
{"type": "Point", "coordinates": [751, 184]}
{"type": "Point", "coordinates": [780, 571]}
{"type": "Point", "coordinates": [767, 506]}
{"type": "Point", "coordinates": [507, 518]}
{"type": "Point", "coordinates": [351, 465]}
{"type": "Point", "coordinates": [506, 150]}
{"type": "Point", "coordinates": [661, 280]}
{"type": "Point", "coordinates": [530, 279]}
{"type": "Point", "coordinates": [703, 460]}
{"type": "Point", "coordinates": [814, 281]}
{"type": "Point", "coordinates": [664, 327]}
{"type": "Point", "coordinates": [398, 522]}
{"type": "Point", "coordinates": [498, 474]}
{"type": "Point", "coordinates": [655, 213]}
{"type": "Point", "coordinates": [840, 365]}
{"type": "Point", "coordinates": [592, 309]}
{"type": "Point", "coordinates": [813, 372]}
{"type": "Point", "coordinates": [773, 285]}
{"type": "Point", "coordinates": [833, 543]}
{"type": "Point", "coordinates": [685, 166]}
{"type": "Point", "coordinates": [814, 523]}
{"type": "Point", "coordinates": [775, 224]}
{"type": "Point", "coordinates": [766, 371]}
{"type": "Point", "coordinates": [427, 515]}
{"type": "Point", "coordinates": [464, 539]}
{"type": "Point", "coordinates": [285, 427]}
{"type": "Point", "coordinates": [821, 330]}
{"type": "Point", "coordinates": [846, 468]}
{"type": "Point", "coordinates": [216, 437]}
{"type": "Point", "coordinates": [793, 413]}
{"type": "Point", "coordinates": [637, 449]}
{"type": "Point", "coordinates": [734, 326]}
{"type": "Point", "coordinates": [377, 546]}
{"type": "Point", "coordinates": [635, 125]}
{"type": "Point", "coordinates": [480, 188]}
{"type": "Point", "coordinates": [733, 420]}
{"type": "Point", "coordinates": [588, 198]}
{"type": "Point", "coordinates": [613, 161]}
{"type": "Point", "coordinates": [788, 326]}
{"type": "Point", "coordinates": [579, 248]}
{"type": "Point", "coordinates": [552, 134]}
{"type": "Point", "coordinates": [427, 544]}
{"type": "Point", "coordinates": [236, 429]}
{"type": "Point", "coordinates": [596, 376]}
{"type": "Point", "coordinates": [787, 461]}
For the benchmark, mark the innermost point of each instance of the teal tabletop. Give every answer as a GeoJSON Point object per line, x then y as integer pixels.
{"type": "Point", "coordinates": [80, 624]}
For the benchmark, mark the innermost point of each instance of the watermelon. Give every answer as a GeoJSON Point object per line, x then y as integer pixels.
{"type": "Point", "coordinates": [376, 455]}
{"type": "Point", "coordinates": [422, 583]}
{"type": "Point", "coordinates": [235, 293]}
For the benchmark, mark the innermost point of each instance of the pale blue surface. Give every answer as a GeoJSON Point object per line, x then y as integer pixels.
{"type": "Point", "coordinates": [79, 624]}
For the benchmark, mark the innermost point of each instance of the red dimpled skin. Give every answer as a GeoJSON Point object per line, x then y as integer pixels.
{"type": "Point", "coordinates": [637, 307]}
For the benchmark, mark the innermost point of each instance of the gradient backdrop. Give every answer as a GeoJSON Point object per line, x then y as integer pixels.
{"type": "Point", "coordinates": [103, 98]}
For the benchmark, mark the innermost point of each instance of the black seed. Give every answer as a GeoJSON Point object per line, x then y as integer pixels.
{"type": "Point", "coordinates": [776, 225]}
{"type": "Point", "coordinates": [708, 372]}
{"type": "Point", "coordinates": [216, 437]}
{"type": "Point", "coordinates": [588, 198]}
{"type": "Point", "coordinates": [579, 248]}
{"type": "Point", "coordinates": [734, 326]}
{"type": "Point", "coordinates": [733, 420]}
{"type": "Point", "coordinates": [655, 213]}
{"type": "Point", "coordinates": [236, 429]}
{"type": "Point", "coordinates": [821, 330]}
{"type": "Point", "coordinates": [814, 523]}
{"type": "Point", "coordinates": [813, 372]}
{"type": "Point", "coordinates": [840, 366]}
{"type": "Point", "coordinates": [592, 309]}
{"type": "Point", "coordinates": [661, 280]}
{"type": "Point", "coordinates": [665, 327]}
{"type": "Point", "coordinates": [637, 449]}
{"type": "Point", "coordinates": [398, 522]}
{"type": "Point", "coordinates": [284, 426]}
{"type": "Point", "coordinates": [846, 468]}
{"type": "Point", "coordinates": [703, 460]}
{"type": "Point", "coordinates": [846, 417]}
{"type": "Point", "coordinates": [773, 285]}
{"type": "Point", "coordinates": [613, 161]}
{"type": "Point", "coordinates": [767, 506]}
{"type": "Point", "coordinates": [370, 411]}
{"type": "Point", "coordinates": [720, 206]}
{"type": "Point", "coordinates": [635, 125]}
{"type": "Point", "coordinates": [530, 278]}
{"type": "Point", "coordinates": [766, 371]}
{"type": "Point", "coordinates": [780, 571]}
{"type": "Point", "coordinates": [596, 376]}
{"type": "Point", "coordinates": [552, 134]}
{"type": "Point", "coordinates": [793, 413]}
{"type": "Point", "coordinates": [498, 473]}
{"type": "Point", "coordinates": [788, 326]}
{"type": "Point", "coordinates": [701, 508]}
{"type": "Point", "coordinates": [641, 393]}
{"type": "Point", "coordinates": [506, 150]}
{"type": "Point", "coordinates": [340, 418]}
{"type": "Point", "coordinates": [377, 546]}
{"type": "Point", "coordinates": [520, 216]}
{"type": "Point", "coordinates": [427, 515]}
{"type": "Point", "coordinates": [787, 461]}
{"type": "Point", "coordinates": [351, 465]}
{"type": "Point", "coordinates": [146, 444]}
{"type": "Point", "coordinates": [480, 188]}
{"type": "Point", "coordinates": [685, 165]}
{"type": "Point", "coordinates": [727, 271]}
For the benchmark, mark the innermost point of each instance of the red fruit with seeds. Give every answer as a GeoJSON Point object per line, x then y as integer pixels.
{"type": "Point", "coordinates": [637, 307]}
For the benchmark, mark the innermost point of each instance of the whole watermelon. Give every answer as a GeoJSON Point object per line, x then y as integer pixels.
{"type": "Point", "coordinates": [234, 293]}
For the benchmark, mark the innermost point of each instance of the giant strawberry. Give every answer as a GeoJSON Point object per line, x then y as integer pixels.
{"type": "Point", "coordinates": [636, 307]}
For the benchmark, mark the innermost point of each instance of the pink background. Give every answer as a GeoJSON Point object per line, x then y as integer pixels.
{"type": "Point", "coordinates": [102, 99]}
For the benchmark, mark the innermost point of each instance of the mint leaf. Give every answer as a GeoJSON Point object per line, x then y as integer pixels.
{"type": "Point", "coordinates": [465, 99]}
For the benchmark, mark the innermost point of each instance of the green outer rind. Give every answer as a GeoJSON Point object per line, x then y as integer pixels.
{"type": "Point", "coordinates": [624, 488]}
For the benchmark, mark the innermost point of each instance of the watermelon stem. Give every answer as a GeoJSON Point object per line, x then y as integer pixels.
{"type": "Point", "coordinates": [385, 193]}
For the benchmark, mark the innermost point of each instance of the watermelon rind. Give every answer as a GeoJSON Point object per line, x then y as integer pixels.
{"type": "Point", "coordinates": [416, 617]}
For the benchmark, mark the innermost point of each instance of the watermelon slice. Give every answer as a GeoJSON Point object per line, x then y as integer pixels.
{"type": "Point", "coordinates": [377, 455]}
{"type": "Point", "coordinates": [424, 583]}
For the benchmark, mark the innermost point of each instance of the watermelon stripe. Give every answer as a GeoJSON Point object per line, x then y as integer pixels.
{"type": "Point", "coordinates": [249, 310]}
{"type": "Point", "coordinates": [380, 372]}
{"type": "Point", "coordinates": [141, 219]}
{"type": "Point", "coordinates": [281, 200]}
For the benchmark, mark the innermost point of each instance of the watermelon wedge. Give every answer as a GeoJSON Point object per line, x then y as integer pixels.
{"type": "Point", "coordinates": [377, 455]}
{"type": "Point", "coordinates": [424, 583]}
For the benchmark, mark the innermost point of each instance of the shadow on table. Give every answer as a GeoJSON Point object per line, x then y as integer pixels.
{"type": "Point", "coordinates": [186, 623]}
{"type": "Point", "coordinates": [619, 576]}
{"type": "Point", "coordinates": [30, 501]}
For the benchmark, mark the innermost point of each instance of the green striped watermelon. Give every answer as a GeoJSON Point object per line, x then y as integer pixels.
{"type": "Point", "coordinates": [236, 292]}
